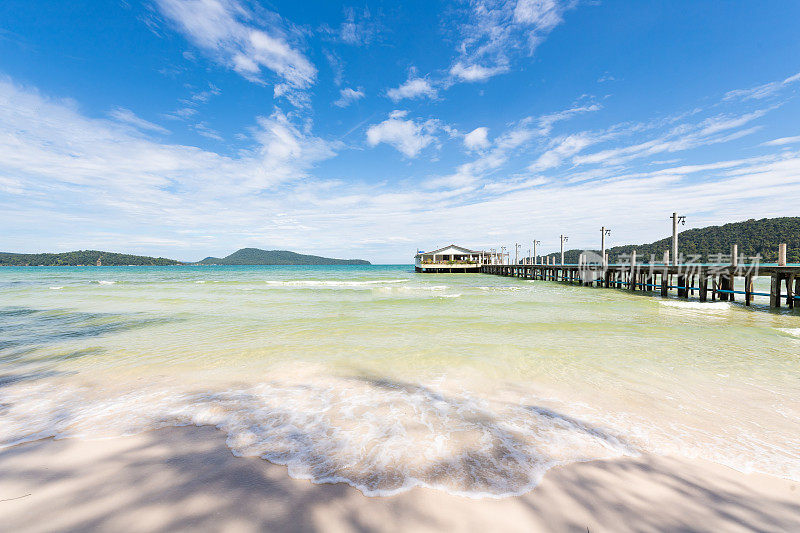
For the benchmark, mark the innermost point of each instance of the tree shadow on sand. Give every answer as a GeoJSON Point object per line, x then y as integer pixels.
{"type": "Point", "coordinates": [185, 478]}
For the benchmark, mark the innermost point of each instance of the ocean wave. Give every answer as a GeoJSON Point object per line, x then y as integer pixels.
{"type": "Point", "coordinates": [794, 332]}
{"type": "Point", "coordinates": [104, 282]}
{"type": "Point", "coordinates": [379, 436]}
{"type": "Point", "coordinates": [56, 288]}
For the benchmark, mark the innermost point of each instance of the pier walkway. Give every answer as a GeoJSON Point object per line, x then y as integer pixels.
{"type": "Point", "coordinates": [709, 282]}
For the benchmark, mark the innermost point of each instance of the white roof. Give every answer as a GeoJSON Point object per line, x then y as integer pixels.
{"type": "Point", "coordinates": [452, 250]}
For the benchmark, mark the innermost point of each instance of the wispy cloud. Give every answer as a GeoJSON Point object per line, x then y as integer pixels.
{"type": "Point", "coordinates": [127, 116]}
{"type": "Point", "coordinates": [358, 28]}
{"type": "Point", "coordinates": [499, 30]}
{"type": "Point", "coordinates": [206, 131]}
{"type": "Point", "coordinates": [475, 72]}
{"type": "Point", "coordinates": [763, 91]}
{"type": "Point", "coordinates": [782, 141]}
{"type": "Point", "coordinates": [561, 149]}
{"type": "Point", "coordinates": [713, 130]}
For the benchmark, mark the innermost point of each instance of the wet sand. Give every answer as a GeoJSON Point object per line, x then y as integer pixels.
{"type": "Point", "coordinates": [178, 479]}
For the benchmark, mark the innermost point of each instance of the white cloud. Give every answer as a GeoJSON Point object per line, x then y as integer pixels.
{"type": "Point", "coordinates": [127, 116]}
{"type": "Point", "coordinates": [544, 15]}
{"type": "Point", "coordinates": [54, 148]}
{"type": "Point", "coordinates": [66, 179]}
{"type": "Point", "coordinates": [782, 141]}
{"type": "Point", "coordinates": [412, 88]}
{"type": "Point", "coordinates": [475, 72]}
{"type": "Point", "coordinates": [406, 136]}
{"type": "Point", "coordinates": [477, 139]}
{"type": "Point", "coordinates": [236, 38]}
{"type": "Point", "coordinates": [347, 96]}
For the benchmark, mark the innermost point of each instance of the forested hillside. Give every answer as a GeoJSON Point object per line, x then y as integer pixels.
{"type": "Point", "coordinates": [255, 256]}
{"type": "Point", "coordinates": [753, 237]}
{"type": "Point", "coordinates": [81, 257]}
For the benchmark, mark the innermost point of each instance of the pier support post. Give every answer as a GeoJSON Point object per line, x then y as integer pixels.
{"type": "Point", "coordinates": [796, 285]}
{"type": "Point", "coordinates": [664, 284]}
{"type": "Point", "coordinates": [727, 282]}
{"type": "Point", "coordinates": [682, 286]}
{"type": "Point", "coordinates": [748, 289]}
{"type": "Point", "coordinates": [775, 291]}
{"type": "Point", "coordinates": [789, 291]}
{"type": "Point", "coordinates": [703, 284]}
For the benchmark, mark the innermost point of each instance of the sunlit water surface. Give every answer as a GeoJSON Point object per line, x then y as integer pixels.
{"type": "Point", "coordinates": [387, 379]}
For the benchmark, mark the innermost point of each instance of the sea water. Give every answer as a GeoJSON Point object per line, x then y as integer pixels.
{"type": "Point", "coordinates": [387, 379]}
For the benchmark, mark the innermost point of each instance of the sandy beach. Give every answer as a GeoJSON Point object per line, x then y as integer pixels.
{"type": "Point", "coordinates": [178, 479]}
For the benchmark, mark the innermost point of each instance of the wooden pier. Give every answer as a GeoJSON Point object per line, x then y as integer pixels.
{"type": "Point", "coordinates": [708, 282]}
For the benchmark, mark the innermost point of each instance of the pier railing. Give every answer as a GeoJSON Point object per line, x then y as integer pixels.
{"type": "Point", "coordinates": [707, 281]}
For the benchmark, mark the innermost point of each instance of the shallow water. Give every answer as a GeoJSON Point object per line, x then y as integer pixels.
{"type": "Point", "coordinates": [387, 379]}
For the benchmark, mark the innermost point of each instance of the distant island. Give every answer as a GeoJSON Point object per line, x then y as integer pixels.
{"type": "Point", "coordinates": [254, 256]}
{"type": "Point", "coordinates": [83, 258]}
{"type": "Point", "coordinates": [754, 237]}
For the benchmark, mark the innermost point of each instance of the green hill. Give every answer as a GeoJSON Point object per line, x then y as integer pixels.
{"type": "Point", "coordinates": [254, 256]}
{"type": "Point", "coordinates": [753, 237]}
{"type": "Point", "coordinates": [81, 257]}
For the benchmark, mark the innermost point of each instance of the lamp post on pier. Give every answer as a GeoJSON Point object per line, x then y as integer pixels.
{"type": "Point", "coordinates": [535, 257]}
{"type": "Point", "coordinates": [516, 253]}
{"type": "Point", "coordinates": [676, 219]}
{"type": "Point", "coordinates": [603, 232]}
{"type": "Point", "coordinates": [564, 239]}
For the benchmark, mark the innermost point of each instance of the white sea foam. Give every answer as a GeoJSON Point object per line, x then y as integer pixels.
{"type": "Point", "coordinates": [333, 283]}
{"type": "Point", "coordinates": [434, 288]}
{"type": "Point", "coordinates": [104, 282]}
{"type": "Point", "coordinates": [57, 288]}
{"type": "Point", "coordinates": [380, 437]}
{"type": "Point", "coordinates": [794, 332]}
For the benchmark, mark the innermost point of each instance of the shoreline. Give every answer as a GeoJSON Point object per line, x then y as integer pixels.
{"type": "Point", "coordinates": [182, 478]}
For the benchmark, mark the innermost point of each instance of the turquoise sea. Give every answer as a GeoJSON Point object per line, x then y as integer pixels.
{"type": "Point", "coordinates": [387, 379]}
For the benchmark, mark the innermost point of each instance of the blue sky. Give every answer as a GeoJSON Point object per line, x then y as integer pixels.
{"type": "Point", "coordinates": [188, 128]}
